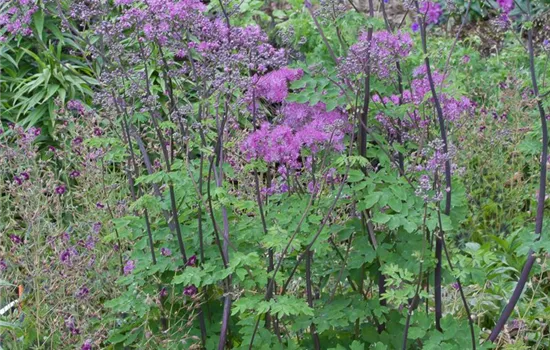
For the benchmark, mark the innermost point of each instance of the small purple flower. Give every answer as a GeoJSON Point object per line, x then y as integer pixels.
{"type": "Point", "coordinates": [129, 267]}
{"type": "Point", "coordinates": [98, 131]}
{"type": "Point", "coordinates": [82, 292]}
{"type": "Point", "coordinates": [16, 239]}
{"type": "Point", "coordinates": [75, 105]}
{"type": "Point", "coordinates": [67, 255]}
{"type": "Point", "coordinates": [3, 265]}
{"type": "Point", "coordinates": [90, 243]}
{"type": "Point", "coordinates": [61, 189]}
{"type": "Point", "coordinates": [51, 149]}
{"type": "Point", "coordinates": [36, 131]}
{"type": "Point", "coordinates": [91, 261]}
{"type": "Point", "coordinates": [17, 180]}
{"type": "Point", "coordinates": [506, 5]}
{"type": "Point", "coordinates": [25, 175]}
{"type": "Point", "coordinates": [70, 323]}
{"type": "Point", "coordinates": [116, 247]}
{"type": "Point", "coordinates": [190, 290]}
{"type": "Point", "coordinates": [192, 261]}
{"type": "Point", "coordinates": [74, 174]}
{"type": "Point", "coordinates": [465, 59]}
{"type": "Point", "coordinates": [77, 140]}
{"type": "Point", "coordinates": [65, 236]}
{"type": "Point", "coordinates": [96, 227]}
{"type": "Point", "coordinates": [415, 27]}
{"type": "Point", "coordinates": [455, 285]}
{"type": "Point", "coordinates": [100, 205]}
{"type": "Point", "coordinates": [87, 345]}
{"type": "Point", "coordinates": [163, 292]}
{"type": "Point", "coordinates": [165, 251]}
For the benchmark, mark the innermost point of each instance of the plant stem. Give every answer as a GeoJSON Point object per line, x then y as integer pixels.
{"type": "Point", "coordinates": [541, 195]}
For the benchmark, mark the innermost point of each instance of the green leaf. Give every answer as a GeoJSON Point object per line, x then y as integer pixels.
{"type": "Point", "coordinates": [4, 283]}
{"type": "Point", "coordinates": [381, 218]}
{"type": "Point", "coordinates": [395, 204]}
{"type": "Point", "coordinates": [38, 20]}
{"type": "Point", "coordinates": [416, 332]}
{"type": "Point", "coordinates": [370, 200]}
{"type": "Point", "coordinates": [355, 175]}
{"type": "Point", "coordinates": [11, 325]}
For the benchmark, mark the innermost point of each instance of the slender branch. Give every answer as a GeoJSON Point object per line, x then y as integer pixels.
{"type": "Point", "coordinates": [541, 195]}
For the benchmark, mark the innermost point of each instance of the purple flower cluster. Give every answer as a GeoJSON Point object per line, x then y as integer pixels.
{"type": "Point", "coordinates": [381, 53]}
{"type": "Point", "coordinates": [157, 19]}
{"type": "Point", "coordinates": [67, 255]}
{"type": "Point", "coordinates": [303, 126]}
{"type": "Point", "coordinates": [16, 18]}
{"type": "Point", "coordinates": [77, 106]}
{"type": "Point", "coordinates": [432, 11]}
{"type": "Point", "coordinates": [506, 5]}
{"type": "Point", "coordinates": [274, 85]}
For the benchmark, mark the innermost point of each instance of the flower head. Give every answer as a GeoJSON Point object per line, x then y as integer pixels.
{"type": "Point", "coordinates": [165, 251]}
{"type": "Point", "coordinates": [16, 239]}
{"type": "Point", "coordinates": [82, 292]}
{"type": "Point", "coordinates": [192, 261]}
{"type": "Point", "coordinates": [129, 267]}
{"type": "Point", "coordinates": [61, 189]}
{"type": "Point", "coordinates": [432, 11]}
{"type": "Point", "coordinates": [190, 290]}
{"type": "Point", "coordinates": [87, 345]}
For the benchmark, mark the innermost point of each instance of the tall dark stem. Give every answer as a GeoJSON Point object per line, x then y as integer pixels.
{"type": "Point", "coordinates": [541, 195]}
{"type": "Point", "coordinates": [447, 210]}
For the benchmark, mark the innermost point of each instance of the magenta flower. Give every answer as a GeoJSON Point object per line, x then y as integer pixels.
{"type": "Point", "coordinates": [70, 323]}
{"type": "Point", "coordinates": [100, 205]}
{"type": "Point", "coordinates": [98, 131]}
{"type": "Point", "coordinates": [77, 140]}
{"type": "Point", "coordinates": [192, 261]}
{"type": "Point", "coordinates": [74, 174]}
{"type": "Point", "coordinates": [129, 267]}
{"type": "Point", "coordinates": [163, 292]}
{"type": "Point", "coordinates": [165, 251]}
{"type": "Point", "coordinates": [3, 265]}
{"type": "Point", "coordinates": [67, 255]}
{"type": "Point", "coordinates": [432, 11]}
{"type": "Point", "coordinates": [506, 5]}
{"type": "Point", "coordinates": [273, 85]}
{"type": "Point", "coordinates": [190, 290]}
{"type": "Point", "coordinates": [415, 27]}
{"type": "Point", "coordinates": [25, 175]}
{"type": "Point", "coordinates": [96, 227]}
{"type": "Point", "coordinates": [18, 180]}
{"type": "Point", "coordinates": [61, 189]}
{"type": "Point", "coordinates": [75, 105]}
{"type": "Point", "coordinates": [87, 345]}
{"type": "Point", "coordinates": [16, 239]}
{"type": "Point", "coordinates": [82, 292]}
